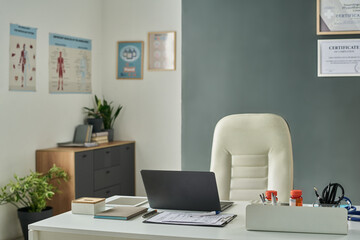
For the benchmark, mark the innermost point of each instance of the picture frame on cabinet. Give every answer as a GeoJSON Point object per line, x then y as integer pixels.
{"type": "Point", "coordinates": [337, 17]}
{"type": "Point", "coordinates": [162, 51]}
{"type": "Point", "coordinates": [130, 60]}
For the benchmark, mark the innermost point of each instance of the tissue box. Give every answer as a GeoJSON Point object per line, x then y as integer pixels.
{"type": "Point", "coordinates": [88, 205]}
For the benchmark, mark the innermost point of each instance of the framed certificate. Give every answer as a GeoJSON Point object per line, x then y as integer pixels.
{"type": "Point", "coordinates": [338, 17]}
{"type": "Point", "coordinates": [340, 57]}
{"type": "Point", "coordinates": [162, 54]}
{"type": "Point", "coordinates": [130, 60]}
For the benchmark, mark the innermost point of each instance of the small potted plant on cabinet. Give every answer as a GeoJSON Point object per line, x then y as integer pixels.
{"type": "Point", "coordinates": [108, 114]}
{"type": "Point", "coordinates": [95, 119]}
{"type": "Point", "coordinates": [30, 193]}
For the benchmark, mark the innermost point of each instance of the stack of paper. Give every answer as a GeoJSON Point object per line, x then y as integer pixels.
{"type": "Point", "coordinates": [186, 218]}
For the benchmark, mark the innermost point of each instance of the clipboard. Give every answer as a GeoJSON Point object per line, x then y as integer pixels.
{"type": "Point", "coordinates": [191, 219]}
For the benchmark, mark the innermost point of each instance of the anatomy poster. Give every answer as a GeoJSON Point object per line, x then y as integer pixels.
{"type": "Point", "coordinates": [22, 67]}
{"type": "Point", "coordinates": [69, 64]}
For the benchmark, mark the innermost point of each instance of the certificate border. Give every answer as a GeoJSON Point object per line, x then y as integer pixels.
{"type": "Point", "coordinates": [142, 60]}
{"type": "Point", "coordinates": [161, 69]}
{"type": "Point", "coordinates": [318, 32]}
{"type": "Point", "coordinates": [320, 74]}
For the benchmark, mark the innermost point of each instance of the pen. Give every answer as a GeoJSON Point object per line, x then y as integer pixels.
{"type": "Point", "coordinates": [150, 213]}
{"type": "Point", "coordinates": [262, 200]}
{"type": "Point", "coordinates": [273, 199]}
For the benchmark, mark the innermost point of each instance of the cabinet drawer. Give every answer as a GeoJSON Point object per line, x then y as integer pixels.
{"type": "Point", "coordinates": [83, 174]}
{"type": "Point", "coordinates": [108, 192]}
{"type": "Point", "coordinates": [85, 156]}
{"type": "Point", "coordinates": [107, 177]}
{"type": "Point", "coordinates": [107, 157]}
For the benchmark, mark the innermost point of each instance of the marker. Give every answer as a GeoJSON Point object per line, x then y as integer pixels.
{"type": "Point", "coordinates": [149, 214]}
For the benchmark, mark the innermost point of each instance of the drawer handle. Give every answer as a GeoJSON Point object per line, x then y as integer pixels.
{"type": "Point", "coordinates": [107, 172]}
{"type": "Point", "coordinates": [127, 148]}
{"type": "Point", "coordinates": [84, 156]}
{"type": "Point", "coordinates": [107, 152]}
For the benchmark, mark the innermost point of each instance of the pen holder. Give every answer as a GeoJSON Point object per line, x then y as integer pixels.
{"type": "Point", "coordinates": [328, 205]}
{"type": "Point", "coordinates": [318, 204]}
{"type": "Point", "coordinates": [260, 217]}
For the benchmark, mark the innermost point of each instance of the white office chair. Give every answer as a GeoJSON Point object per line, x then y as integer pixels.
{"type": "Point", "coordinates": [252, 153]}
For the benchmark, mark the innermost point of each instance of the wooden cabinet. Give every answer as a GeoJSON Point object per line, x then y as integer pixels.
{"type": "Point", "coordinates": [101, 171]}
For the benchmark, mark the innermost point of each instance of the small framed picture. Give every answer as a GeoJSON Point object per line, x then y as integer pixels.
{"type": "Point", "coordinates": [130, 59]}
{"type": "Point", "coordinates": [338, 17]}
{"type": "Point", "coordinates": [339, 57]}
{"type": "Point", "coordinates": [162, 51]}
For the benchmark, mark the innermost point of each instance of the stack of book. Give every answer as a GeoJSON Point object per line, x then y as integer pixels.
{"type": "Point", "coordinates": [100, 137]}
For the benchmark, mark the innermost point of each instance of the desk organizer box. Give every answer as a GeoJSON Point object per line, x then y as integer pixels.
{"type": "Point", "coordinates": [296, 219]}
{"type": "Point", "coordinates": [86, 205]}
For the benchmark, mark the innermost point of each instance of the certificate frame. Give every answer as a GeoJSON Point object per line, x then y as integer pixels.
{"type": "Point", "coordinates": [337, 18]}
{"type": "Point", "coordinates": [129, 60]}
{"type": "Point", "coordinates": [338, 57]}
{"type": "Point", "coordinates": [162, 51]}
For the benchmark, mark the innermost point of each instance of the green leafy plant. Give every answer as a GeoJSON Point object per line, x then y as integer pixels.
{"type": "Point", "coordinates": [94, 112]}
{"type": "Point", "coordinates": [104, 109]}
{"type": "Point", "coordinates": [33, 190]}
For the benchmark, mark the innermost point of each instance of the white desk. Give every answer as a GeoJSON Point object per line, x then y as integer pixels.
{"type": "Point", "coordinates": [77, 227]}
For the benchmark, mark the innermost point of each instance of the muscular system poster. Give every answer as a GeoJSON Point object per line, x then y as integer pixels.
{"type": "Point", "coordinates": [69, 64]}
{"type": "Point", "coordinates": [22, 62]}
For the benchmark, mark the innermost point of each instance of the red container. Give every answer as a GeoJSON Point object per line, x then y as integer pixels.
{"type": "Point", "coordinates": [296, 198]}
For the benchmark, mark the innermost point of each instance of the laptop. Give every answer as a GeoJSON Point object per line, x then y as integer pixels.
{"type": "Point", "coordinates": [182, 190]}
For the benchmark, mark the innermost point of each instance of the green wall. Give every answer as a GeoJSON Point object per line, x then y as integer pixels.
{"type": "Point", "coordinates": [252, 56]}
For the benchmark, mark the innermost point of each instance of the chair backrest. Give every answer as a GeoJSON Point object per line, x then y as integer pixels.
{"type": "Point", "coordinates": [252, 153]}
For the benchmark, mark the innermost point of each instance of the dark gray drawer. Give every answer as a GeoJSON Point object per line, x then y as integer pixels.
{"type": "Point", "coordinates": [107, 157]}
{"type": "Point", "coordinates": [108, 192]}
{"type": "Point", "coordinates": [127, 151]}
{"type": "Point", "coordinates": [102, 158]}
{"type": "Point", "coordinates": [84, 174]}
{"type": "Point", "coordinates": [107, 177]}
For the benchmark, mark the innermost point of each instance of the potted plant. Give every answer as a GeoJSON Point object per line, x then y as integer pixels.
{"type": "Point", "coordinates": [107, 112]}
{"type": "Point", "coordinates": [95, 119]}
{"type": "Point", "coordinates": [30, 193]}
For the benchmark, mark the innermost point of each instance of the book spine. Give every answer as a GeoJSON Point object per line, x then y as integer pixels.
{"type": "Point", "coordinates": [99, 134]}
{"type": "Point", "coordinates": [101, 141]}
{"type": "Point", "coordinates": [109, 217]}
{"type": "Point", "coordinates": [99, 138]}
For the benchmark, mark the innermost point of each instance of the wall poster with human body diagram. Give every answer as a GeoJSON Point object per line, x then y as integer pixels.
{"type": "Point", "coordinates": [69, 64]}
{"type": "Point", "coordinates": [22, 62]}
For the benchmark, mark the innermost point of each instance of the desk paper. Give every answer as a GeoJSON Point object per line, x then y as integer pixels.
{"type": "Point", "coordinates": [191, 218]}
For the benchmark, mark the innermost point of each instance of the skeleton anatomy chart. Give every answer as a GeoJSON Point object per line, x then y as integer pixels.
{"type": "Point", "coordinates": [22, 68]}
{"type": "Point", "coordinates": [69, 64]}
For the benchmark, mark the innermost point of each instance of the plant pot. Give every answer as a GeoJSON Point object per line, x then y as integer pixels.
{"type": "Point", "coordinates": [27, 218]}
{"type": "Point", "coordinates": [96, 123]}
{"type": "Point", "coordinates": [111, 134]}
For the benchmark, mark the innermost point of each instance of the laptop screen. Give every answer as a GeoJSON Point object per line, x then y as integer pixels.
{"type": "Point", "coordinates": [181, 190]}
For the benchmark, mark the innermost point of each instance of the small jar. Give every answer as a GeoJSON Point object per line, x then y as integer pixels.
{"type": "Point", "coordinates": [296, 198]}
{"type": "Point", "coordinates": [268, 195]}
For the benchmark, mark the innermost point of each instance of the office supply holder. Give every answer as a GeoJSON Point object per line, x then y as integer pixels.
{"type": "Point", "coordinates": [305, 219]}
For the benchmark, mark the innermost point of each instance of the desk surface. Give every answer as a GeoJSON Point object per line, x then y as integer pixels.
{"type": "Point", "coordinates": [86, 227]}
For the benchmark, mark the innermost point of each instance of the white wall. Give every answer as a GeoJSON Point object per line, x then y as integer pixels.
{"type": "Point", "coordinates": [34, 120]}
{"type": "Point", "coordinates": [152, 106]}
